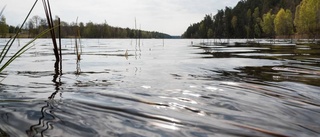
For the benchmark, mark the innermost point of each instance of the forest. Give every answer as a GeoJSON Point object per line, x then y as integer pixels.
{"type": "Point", "coordinates": [36, 24]}
{"type": "Point", "coordinates": [261, 19]}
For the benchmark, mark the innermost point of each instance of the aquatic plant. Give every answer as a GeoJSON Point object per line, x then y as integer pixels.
{"type": "Point", "coordinates": [60, 49]}
{"type": "Point", "coordinates": [28, 45]}
{"type": "Point", "coordinates": [2, 10]}
{"type": "Point", "coordinates": [77, 48]}
{"type": "Point", "coordinates": [9, 44]}
{"type": "Point", "coordinates": [51, 26]}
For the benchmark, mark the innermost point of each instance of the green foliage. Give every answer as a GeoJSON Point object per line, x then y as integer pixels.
{"type": "Point", "coordinates": [192, 31]}
{"type": "Point", "coordinates": [210, 33]}
{"type": "Point", "coordinates": [267, 24]}
{"type": "Point", "coordinates": [289, 22]}
{"type": "Point", "coordinates": [249, 17]}
{"type": "Point", "coordinates": [8, 45]}
{"type": "Point", "coordinates": [205, 25]}
{"type": "Point", "coordinates": [18, 53]}
{"type": "Point", "coordinates": [219, 24]}
{"type": "Point", "coordinates": [4, 28]}
{"type": "Point", "coordinates": [256, 13]}
{"type": "Point", "coordinates": [283, 22]}
{"type": "Point", "coordinates": [234, 22]}
{"type": "Point", "coordinates": [249, 23]}
{"type": "Point", "coordinates": [257, 31]}
{"type": "Point", "coordinates": [88, 30]}
{"type": "Point", "coordinates": [307, 19]}
{"type": "Point", "coordinates": [201, 29]}
{"type": "Point", "coordinates": [297, 21]}
{"type": "Point", "coordinates": [245, 20]}
{"type": "Point", "coordinates": [248, 30]}
{"type": "Point", "coordinates": [257, 20]}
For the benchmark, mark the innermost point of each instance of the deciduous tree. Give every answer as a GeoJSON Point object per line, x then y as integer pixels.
{"type": "Point", "coordinates": [283, 22]}
{"type": "Point", "coordinates": [4, 28]}
{"type": "Point", "coordinates": [256, 20]}
{"type": "Point", "coordinates": [267, 24]}
{"type": "Point", "coordinates": [210, 33]}
{"type": "Point", "coordinates": [307, 18]}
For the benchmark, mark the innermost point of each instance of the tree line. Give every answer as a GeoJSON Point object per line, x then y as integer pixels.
{"type": "Point", "coordinates": [260, 19]}
{"type": "Point", "coordinates": [36, 25]}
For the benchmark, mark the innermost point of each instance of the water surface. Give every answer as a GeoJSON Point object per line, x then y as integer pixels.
{"type": "Point", "coordinates": [162, 88]}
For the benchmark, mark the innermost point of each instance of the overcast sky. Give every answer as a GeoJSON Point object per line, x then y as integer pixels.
{"type": "Point", "coordinates": [168, 16]}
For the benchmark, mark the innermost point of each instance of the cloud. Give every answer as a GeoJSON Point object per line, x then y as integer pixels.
{"type": "Point", "coordinates": [169, 16]}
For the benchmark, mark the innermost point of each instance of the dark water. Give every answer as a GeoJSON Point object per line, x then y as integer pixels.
{"type": "Point", "coordinates": [162, 88]}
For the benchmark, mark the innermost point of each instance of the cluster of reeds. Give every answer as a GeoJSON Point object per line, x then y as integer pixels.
{"type": "Point", "coordinates": [52, 27]}
{"type": "Point", "coordinates": [8, 45]}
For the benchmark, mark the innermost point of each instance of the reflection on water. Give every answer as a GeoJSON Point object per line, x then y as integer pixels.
{"type": "Point", "coordinates": [148, 89]}
{"type": "Point", "coordinates": [296, 63]}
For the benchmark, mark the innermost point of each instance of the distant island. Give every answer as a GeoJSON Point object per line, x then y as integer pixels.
{"type": "Point", "coordinates": [36, 24]}
{"type": "Point", "coordinates": [261, 19]}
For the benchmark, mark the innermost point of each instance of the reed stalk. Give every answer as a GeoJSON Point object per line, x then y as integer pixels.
{"type": "Point", "coordinates": [135, 28]}
{"type": "Point", "coordinates": [50, 22]}
{"type": "Point", "coordinates": [9, 44]}
{"type": "Point", "coordinates": [78, 48]}
{"type": "Point", "coordinates": [60, 49]}
{"type": "Point", "coordinates": [27, 46]}
{"type": "Point", "coordinates": [21, 50]}
{"type": "Point", "coordinates": [58, 55]}
{"type": "Point", "coordinates": [2, 10]}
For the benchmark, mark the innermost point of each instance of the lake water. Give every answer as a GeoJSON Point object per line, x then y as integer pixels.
{"type": "Point", "coordinates": [162, 88]}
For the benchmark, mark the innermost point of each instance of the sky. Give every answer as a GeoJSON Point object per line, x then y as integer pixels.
{"type": "Point", "coordinates": [169, 16]}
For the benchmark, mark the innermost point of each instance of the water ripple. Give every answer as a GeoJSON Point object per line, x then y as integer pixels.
{"type": "Point", "coordinates": [163, 88]}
